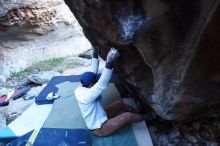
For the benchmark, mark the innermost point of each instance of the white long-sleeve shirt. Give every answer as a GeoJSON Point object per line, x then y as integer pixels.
{"type": "Point", "coordinates": [90, 101]}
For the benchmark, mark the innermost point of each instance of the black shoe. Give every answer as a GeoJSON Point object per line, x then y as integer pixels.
{"type": "Point", "coordinates": [5, 103]}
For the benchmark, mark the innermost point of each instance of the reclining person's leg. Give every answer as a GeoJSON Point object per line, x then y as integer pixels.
{"type": "Point", "coordinates": [117, 107]}
{"type": "Point", "coordinates": [116, 123]}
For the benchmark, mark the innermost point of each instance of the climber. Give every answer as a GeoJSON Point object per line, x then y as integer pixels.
{"type": "Point", "coordinates": [103, 122]}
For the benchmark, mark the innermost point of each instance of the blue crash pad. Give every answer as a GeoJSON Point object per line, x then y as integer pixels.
{"type": "Point", "coordinates": [56, 137]}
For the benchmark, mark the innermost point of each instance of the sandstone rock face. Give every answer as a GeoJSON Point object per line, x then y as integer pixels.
{"type": "Point", "coordinates": [170, 50]}
{"type": "Point", "coordinates": [33, 30]}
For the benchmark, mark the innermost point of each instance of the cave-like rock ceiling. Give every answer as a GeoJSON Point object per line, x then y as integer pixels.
{"type": "Point", "coordinates": [170, 50]}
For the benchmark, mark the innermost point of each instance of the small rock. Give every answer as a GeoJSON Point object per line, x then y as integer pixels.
{"type": "Point", "coordinates": [43, 77]}
{"type": "Point", "coordinates": [85, 56]}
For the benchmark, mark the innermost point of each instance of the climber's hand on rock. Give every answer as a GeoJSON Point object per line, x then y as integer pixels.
{"type": "Point", "coordinates": [113, 54]}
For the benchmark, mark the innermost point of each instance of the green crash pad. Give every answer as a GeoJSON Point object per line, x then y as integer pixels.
{"type": "Point", "coordinates": [66, 114]}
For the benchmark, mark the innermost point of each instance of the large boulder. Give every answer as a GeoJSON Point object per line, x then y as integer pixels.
{"type": "Point", "coordinates": [34, 30]}
{"type": "Point", "coordinates": [170, 50]}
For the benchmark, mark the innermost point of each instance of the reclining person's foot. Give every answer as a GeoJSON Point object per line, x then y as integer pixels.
{"type": "Point", "coordinates": [149, 116]}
